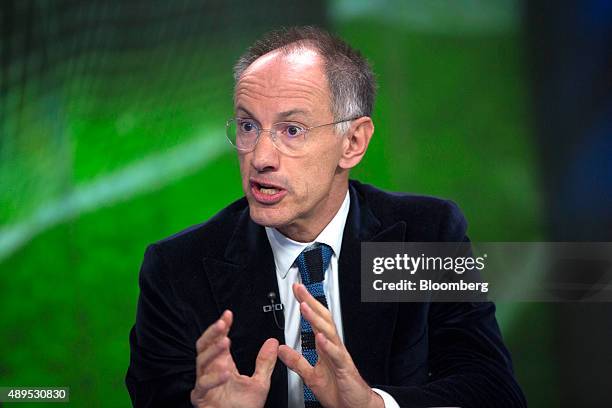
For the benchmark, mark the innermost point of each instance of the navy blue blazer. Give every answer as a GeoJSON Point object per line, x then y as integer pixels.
{"type": "Point", "coordinates": [423, 354]}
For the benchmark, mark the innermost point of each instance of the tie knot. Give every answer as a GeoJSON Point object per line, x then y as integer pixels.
{"type": "Point", "coordinates": [313, 261]}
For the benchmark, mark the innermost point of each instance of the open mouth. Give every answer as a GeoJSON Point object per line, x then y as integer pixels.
{"type": "Point", "coordinates": [266, 189]}
{"type": "Point", "coordinates": [267, 193]}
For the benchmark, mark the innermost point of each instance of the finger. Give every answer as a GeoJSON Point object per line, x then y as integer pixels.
{"type": "Point", "coordinates": [266, 360]}
{"type": "Point", "coordinates": [213, 379]}
{"type": "Point", "coordinates": [337, 355]}
{"type": "Point", "coordinates": [214, 331]}
{"type": "Point", "coordinates": [228, 317]}
{"type": "Point", "coordinates": [206, 357]}
{"type": "Point", "coordinates": [319, 323]}
{"type": "Point", "coordinates": [302, 295]}
{"type": "Point", "coordinates": [317, 315]}
{"type": "Point", "coordinates": [296, 362]}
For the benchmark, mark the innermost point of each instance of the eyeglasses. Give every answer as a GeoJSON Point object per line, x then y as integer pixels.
{"type": "Point", "coordinates": [288, 137]}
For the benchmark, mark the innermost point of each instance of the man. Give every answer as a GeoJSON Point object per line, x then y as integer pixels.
{"type": "Point", "coordinates": [303, 101]}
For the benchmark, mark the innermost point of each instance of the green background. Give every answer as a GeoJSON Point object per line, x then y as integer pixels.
{"type": "Point", "coordinates": [108, 150]}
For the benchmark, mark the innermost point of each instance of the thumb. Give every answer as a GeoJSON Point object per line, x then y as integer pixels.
{"type": "Point", "coordinates": [266, 360]}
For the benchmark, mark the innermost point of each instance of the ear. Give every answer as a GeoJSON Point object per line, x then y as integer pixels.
{"type": "Point", "coordinates": [356, 142]}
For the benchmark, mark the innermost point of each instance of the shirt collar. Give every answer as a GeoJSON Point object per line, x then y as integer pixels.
{"type": "Point", "coordinates": [286, 250]}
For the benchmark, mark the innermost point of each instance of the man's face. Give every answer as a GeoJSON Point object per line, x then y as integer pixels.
{"type": "Point", "coordinates": [295, 194]}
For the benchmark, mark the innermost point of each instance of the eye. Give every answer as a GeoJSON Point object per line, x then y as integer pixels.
{"type": "Point", "coordinates": [292, 130]}
{"type": "Point", "coordinates": [246, 126]}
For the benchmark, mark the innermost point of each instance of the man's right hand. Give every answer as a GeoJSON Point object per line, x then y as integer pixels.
{"type": "Point", "coordinates": [218, 382]}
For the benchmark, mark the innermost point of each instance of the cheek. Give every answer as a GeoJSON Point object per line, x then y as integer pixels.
{"type": "Point", "coordinates": [317, 173]}
{"type": "Point", "coordinates": [244, 164]}
{"type": "Point", "coordinates": [326, 162]}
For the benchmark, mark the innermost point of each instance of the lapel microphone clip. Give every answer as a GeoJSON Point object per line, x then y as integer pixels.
{"type": "Point", "coordinates": [274, 308]}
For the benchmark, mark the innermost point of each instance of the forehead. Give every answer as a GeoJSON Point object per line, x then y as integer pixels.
{"type": "Point", "coordinates": [284, 80]}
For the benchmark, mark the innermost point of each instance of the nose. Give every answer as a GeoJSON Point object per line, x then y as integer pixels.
{"type": "Point", "coordinates": [265, 154]}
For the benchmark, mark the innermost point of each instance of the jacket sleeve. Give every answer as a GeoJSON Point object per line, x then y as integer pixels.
{"type": "Point", "coordinates": [162, 357]}
{"type": "Point", "coordinates": [468, 363]}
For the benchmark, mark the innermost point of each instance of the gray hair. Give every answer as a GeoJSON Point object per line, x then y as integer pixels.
{"type": "Point", "coordinates": [351, 80]}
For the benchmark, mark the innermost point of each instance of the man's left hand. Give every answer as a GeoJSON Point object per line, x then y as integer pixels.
{"type": "Point", "coordinates": [334, 380]}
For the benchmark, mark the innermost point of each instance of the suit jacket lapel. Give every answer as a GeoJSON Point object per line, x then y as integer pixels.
{"type": "Point", "coordinates": [368, 327]}
{"type": "Point", "coordinates": [241, 283]}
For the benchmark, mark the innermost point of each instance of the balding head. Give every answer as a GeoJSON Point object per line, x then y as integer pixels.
{"type": "Point", "coordinates": [351, 82]}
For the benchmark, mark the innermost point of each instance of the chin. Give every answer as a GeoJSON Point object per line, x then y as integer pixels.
{"type": "Point", "coordinates": [267, 216]}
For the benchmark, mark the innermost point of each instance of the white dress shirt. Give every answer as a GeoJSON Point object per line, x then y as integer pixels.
{"type": "Point", "coordinates": [285, 252]}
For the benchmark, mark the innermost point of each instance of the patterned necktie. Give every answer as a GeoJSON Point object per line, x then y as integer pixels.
{"type": "Point", "coordinates": [312, 264]}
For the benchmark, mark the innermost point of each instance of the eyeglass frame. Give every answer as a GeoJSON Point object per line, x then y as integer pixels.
{"type": "Point", "coordinates": [273, 135]}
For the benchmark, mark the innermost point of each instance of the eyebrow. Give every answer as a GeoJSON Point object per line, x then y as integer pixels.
{"type": "Point", "coordinates": [245, 111]}
{"type": "Point", "coordinates": [289, 113]}
{"type": "Point", "coordinates": [281, 116]}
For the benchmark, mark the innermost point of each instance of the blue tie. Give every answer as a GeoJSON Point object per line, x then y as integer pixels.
{"type": "Point", "coordinates": [312, 264]}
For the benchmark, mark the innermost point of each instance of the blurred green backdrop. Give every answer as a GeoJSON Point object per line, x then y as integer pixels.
{"type": "Point", "coordinates": [111, 137]}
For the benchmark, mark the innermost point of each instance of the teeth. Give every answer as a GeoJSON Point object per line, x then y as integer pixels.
{"type": "Point", "coordinates": [270, 191]}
